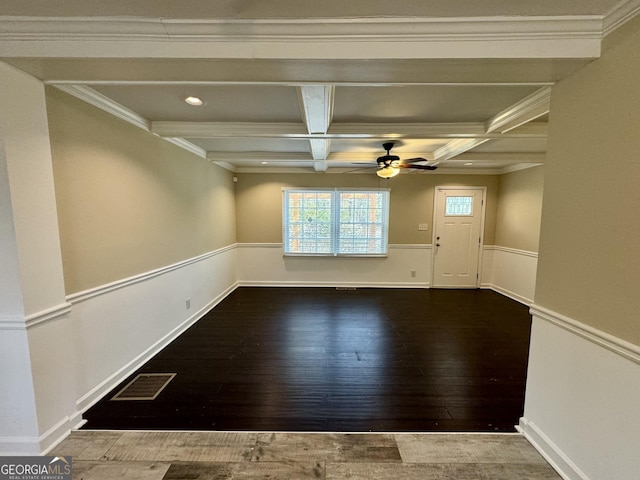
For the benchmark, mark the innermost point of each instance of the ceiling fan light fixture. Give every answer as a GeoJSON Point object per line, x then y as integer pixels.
{"type": "Point", "coordinates": [388, 172]}
{"type": "Point", "coordinates": [194, 101]}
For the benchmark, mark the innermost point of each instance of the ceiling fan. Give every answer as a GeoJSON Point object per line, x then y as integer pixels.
{"type": "Point", "coordinates": [390, 165]}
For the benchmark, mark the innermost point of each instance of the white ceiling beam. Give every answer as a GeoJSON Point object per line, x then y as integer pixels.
{"type": "Point", "coordinates": [92, 97]}
{"type": "Point", "coordinates": [345, 130]}
{"type": "Point", "coordinates": [529, 108]}
{"type": "Point", "coordinates": [456, 147]}
{"type": "Point", "coordinates": [316, 104]}
{"type": "Point", "coordinates": [499, 157]}
{"type": "Point", "coordinates": [303, 38]}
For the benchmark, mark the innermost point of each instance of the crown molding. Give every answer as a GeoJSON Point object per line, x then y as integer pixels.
{"type": "Point", "coordinates": [426, 37]}
{"type": "Point", "coordinates": [111, 107]}
{"type": "Point", "coordinates": [105, 104]}
{"type": "Point", "coordinates": [188, 146]}
{"type": "Point", "coordinates": [457, 147]}
{"type": "Point", "coordinates": [619, 15]}
{"type": "Point", "coordinates": [529, 108]}
{"type": "Point", "coordinates": [389, 28]}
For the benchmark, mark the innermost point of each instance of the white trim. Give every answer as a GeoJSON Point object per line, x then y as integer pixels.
{"type": "Point", "coordinates": [37, 445]}
{"type": "Point", "coordinates": [410, 246]}
{"type": "Point", "coordinates": [188, 146]}
{"type": "Point", "coordinates": [16, 322]}
{"type": "Point", "coordinates": [526, 253]}
{"type": "Point", "coordinates": [96, 393]}
{"type": "Point", "coordinates": [12, 322]}
{"type": "Point", "coordinates": [507, 293]}
{"type": "Point", "coordinates": [575, 36]}
{"type": "Point", "coordinates": [550, 451]}
{"type": "Point", "coordinates": [521, 112]}
{"type": "Point", "coordinates": [92, 97]}
{"type": "Point", "coordinates": [260, 245]}
{"type": "Point", "coordinates": [53, 313]}
{"type": "Point", "coordinates": [109, 287]}
{"type": "Point", "coordinates": [304, 284]}
{"type": "Point", "coordinates": [465, 131]}
{"type": "Point", "coordinates": [17, 446]}
{"type": "Point", "coordinates": [614, 344]}
{"type": "Point", "coordinates": [55, 434]}
{"type": "Point", "coordinates": [623, 12]}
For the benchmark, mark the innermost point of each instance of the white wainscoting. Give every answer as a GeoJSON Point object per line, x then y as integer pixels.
{"type": "Point", "coordinates": [119, 326]}
{"type": "Point", "coordinates": [510, 272]}
{"type": "Point", "coordinates": [265, 265]}
{"type": "Point", "coordinates": [582, 399]}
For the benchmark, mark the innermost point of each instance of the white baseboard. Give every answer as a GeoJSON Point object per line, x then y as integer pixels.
{"type": "Point", "coordinates": [94, 395]}
{"type": "Point", "coordinates": [333, 284]}
{"type": "Point", "coordinates": [507, 293]}
{"type": "Point", "coordinates": [550, 451]}
{"type": "Point", "coordinates": [21, 446]}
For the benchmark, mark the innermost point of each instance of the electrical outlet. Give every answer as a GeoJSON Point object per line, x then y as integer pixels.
{"type": "Point", "coordinates": [188, 303]}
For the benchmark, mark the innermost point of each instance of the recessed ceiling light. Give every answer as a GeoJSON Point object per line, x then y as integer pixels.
{"type": "Point", "coordinates": [264, 163]}
{"type": "Point", "coordinates": [468, 164]}
{"type": "Point", "coordinates": [195, 101]}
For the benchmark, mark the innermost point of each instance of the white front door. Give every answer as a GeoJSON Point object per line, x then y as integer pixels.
{"type": "Point", "coordinates": [457, 236]}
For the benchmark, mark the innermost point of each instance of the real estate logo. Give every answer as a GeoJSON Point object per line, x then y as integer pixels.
{"type": "Point", "coordinates": [35, 468]}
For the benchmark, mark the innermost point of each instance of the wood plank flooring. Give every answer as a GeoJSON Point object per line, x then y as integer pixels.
{"type": "Point", "coordinates": [105, 455]}
{"type": "Point", "coordinates": [321, 359]}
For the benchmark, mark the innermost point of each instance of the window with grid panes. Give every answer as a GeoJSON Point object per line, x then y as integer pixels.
{"type": "Point", "coordinates": [346, 222]}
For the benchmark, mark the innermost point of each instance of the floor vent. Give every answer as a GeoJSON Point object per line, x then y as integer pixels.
{"type": "Point", "coordinates": [146, 386]}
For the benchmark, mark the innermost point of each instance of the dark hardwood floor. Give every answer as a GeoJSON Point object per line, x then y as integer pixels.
{"type": "Point", "coordinates": [321, 359]}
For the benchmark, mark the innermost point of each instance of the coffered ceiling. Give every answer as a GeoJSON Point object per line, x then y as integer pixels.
{"type": "Point", "coordinates": [318, 87]}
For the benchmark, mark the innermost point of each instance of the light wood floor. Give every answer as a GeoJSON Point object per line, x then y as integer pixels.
{"type": "Point", "coordinates": [108, 455]}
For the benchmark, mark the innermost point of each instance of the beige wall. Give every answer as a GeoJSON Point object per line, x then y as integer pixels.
{"type": "Point", "coordinates": [589, 263]}
{"type": "Point", "coordinates": [128, 201]}
{"type": "Point", "coordinates": [519, 209]}
{"type": "Point", "coordinates": [259, 202]}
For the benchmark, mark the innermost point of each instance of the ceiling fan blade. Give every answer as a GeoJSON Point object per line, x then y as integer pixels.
{"type": "Point", "coordinates": [414, 160]}
{"type": "Point", "coordinates": [418, 167]}
{"type": "Point", "coordinates": [358, 169]}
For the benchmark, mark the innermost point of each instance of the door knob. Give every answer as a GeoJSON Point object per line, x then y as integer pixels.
{"type": "Point", "coordinates": [437, 244]}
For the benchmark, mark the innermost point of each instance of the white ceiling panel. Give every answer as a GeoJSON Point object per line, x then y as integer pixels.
{"type": "Point", "coordinates": [239, 144]}
{"type": "Point", "coordinates": [425, 103]}
{"type": "Point", "coordinates": [222, 103]}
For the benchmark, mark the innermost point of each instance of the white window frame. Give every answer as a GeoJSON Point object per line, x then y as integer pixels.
{"type": "Point", "coordinates": [335, 223]}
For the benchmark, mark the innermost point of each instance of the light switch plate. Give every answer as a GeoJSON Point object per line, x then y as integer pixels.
{"type": "Point", "coordinates": [423, 226]}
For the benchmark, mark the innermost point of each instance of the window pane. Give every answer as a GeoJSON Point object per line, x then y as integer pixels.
{"type": "Point", "coordinates": [307, 222]}
{"type": "Point", "coordinates": [363, 222]}
{"type": "Point", "coordinates": [459, 206]}
{"type": "Point", "coordinates": [335, 222]}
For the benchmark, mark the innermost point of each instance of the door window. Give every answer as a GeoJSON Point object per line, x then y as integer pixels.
{"type": "Point", "coordinates": [459, 207]}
